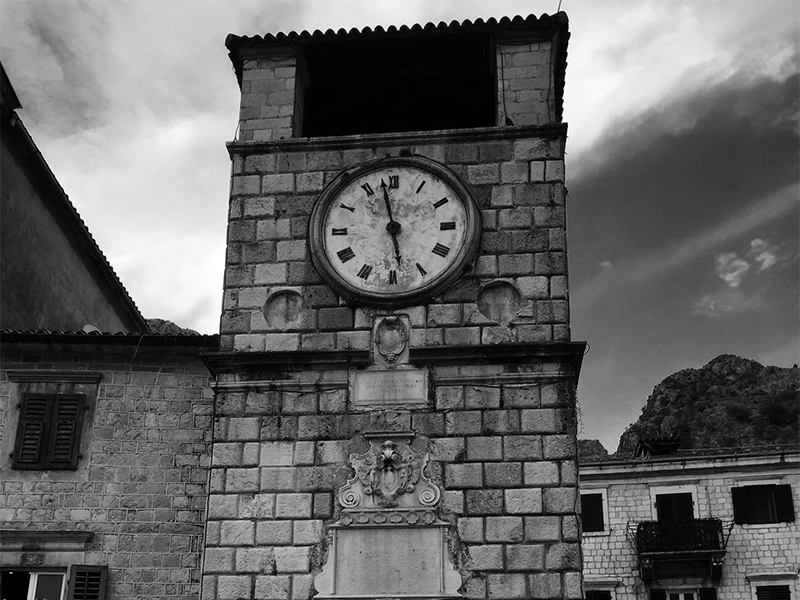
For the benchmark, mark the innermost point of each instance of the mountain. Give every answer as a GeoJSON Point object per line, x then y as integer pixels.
{"type": "Point", "coordinates": [164, 327]}
{"type": "Point", "coordinates": [730, 402]}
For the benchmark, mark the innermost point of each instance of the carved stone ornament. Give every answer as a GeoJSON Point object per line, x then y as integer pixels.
{"type": "Point", "coordinates": [389, 475]}
{"type": "Point", "coordinates": [390, 340]}
{"type": "Point", "coordinates": [388, 543]}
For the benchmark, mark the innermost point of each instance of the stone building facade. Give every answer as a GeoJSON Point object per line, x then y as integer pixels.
{"type": "Point", "coordinates": [494, 422]}
{"type": "Point", "coordinates": [737, 540]}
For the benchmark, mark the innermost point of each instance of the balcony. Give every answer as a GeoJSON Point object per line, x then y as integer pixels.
{"type": "Point", "coordinates": [680, 548]}
{"type": "Point", "coordinates": [698, 536]}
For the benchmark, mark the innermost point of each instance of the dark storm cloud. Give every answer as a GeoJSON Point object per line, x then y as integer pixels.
{"type": "Point", "coordinates": [681, 168]}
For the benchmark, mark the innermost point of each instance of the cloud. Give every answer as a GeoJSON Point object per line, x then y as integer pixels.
{"type": "Point", "coordinates": [731, 269]}
{"type": "Point", "coordinates": [734, 271]}
{"type": "Point", "coordinates": [654, 264]}
{"type": "Point", "coordinates": [728, 302]}
{"type": "Point", "coordinates": [763, 254]}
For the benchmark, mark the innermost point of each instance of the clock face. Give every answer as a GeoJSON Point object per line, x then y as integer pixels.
{"type": "Point", "coordinates": [395, 231]}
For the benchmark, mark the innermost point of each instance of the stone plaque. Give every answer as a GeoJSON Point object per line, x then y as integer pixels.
{"type": "Point", "coordinates": [383, 388]}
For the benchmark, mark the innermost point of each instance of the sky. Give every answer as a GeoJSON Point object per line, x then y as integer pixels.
{"type": "Point", "coordinates": [683, 162]}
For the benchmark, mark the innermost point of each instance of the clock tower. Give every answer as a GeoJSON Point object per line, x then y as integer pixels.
{"type": "Point", "coordinates": [395, 390]}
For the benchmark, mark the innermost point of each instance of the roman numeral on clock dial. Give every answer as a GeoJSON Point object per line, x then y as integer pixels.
{"type": "Point", "coordinates": [392, 276]}
{"type": "Point", "coordinates": [441, 249]}
{"type": "Point", "coordinates": [339, 231]}
{"type": "Point", "coordinates": [346, 254]}
{"type": "Point", "coordinates": [439, 203]}
{"type": "Point", "coordinates": [364, 272]}
{"type": "Point", "coordinates": [446, 225]}
{"type": "Point", "coordinates": [368, 188]}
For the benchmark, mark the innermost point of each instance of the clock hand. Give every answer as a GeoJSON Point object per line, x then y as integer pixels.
{"type": "Point", "coordinates": [393, 227]}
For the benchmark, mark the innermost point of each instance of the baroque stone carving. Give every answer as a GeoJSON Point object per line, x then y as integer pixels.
{"type": "Point", "coordinates": [388, 475]}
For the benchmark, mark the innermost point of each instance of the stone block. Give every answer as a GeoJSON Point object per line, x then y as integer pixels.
{"type": "Point", "coordinates": [504, 529]}
{"type": "Point", "coordinates": [541, 474]}
{"type": "Point", "coordinates": [307, 532]}
{"type": "Point", "coordinates": [501, 422]}
{"type": "Point", "coordinates": [304, 453]}
{"type": "Point", "coordinates": [522, 447]}
{"type": "Point", "coordinates": [459, 476]}
{"type": "Point", "coordinates": [506, 586]}
{"type": "Point", "coordinates": [543, 528]}
{"type": "Point", "coordinates": [446, 449]}
{"type": "Point", "coordinates": [219, 560]}
{"type": "Point", "coordinates": [273, 533]}
{"type": "Point", "coordinates": [278, 183]}
{"type": "Point", "coordinates": [513, 172]}
{"type": "Point", "coordinates": [523, 501]}
{"type": "Point", "coordinates": [270, 274]}
{"type": "Point", "coordinates": [277, 479]}
{"type": "Point", "coordinates": [482, 397]}
{"type": "Point", "coordinates": [570, 530]}
{"type": "Point", "coordinates": [470, 529]}
{"type": "Point", "coordinates": [537, 171]}
{"type": "Point", "coordinates": [463, 423]}
{"type": "Point", "coordinates": [453, 502]}
{"type": "Point", "coordinates": [510, 265]}
{"type": "Point", "coordinates": [441, 315]}
{"type": "Point", "coordinates": [237, 533]}
{"type": "Point", "coordinates": [275, 454]}
{"type": "Point", "coordinates": [545, 585]}
{"type": "Point", "coordinates": [271, 587]}
{"type": "Point", "coordinates": [234, 587]}
{"type": "Point", "coordinates": [563, 556]}
{"type": "Point", "coordinates": [293, 506]}
{"type": "Point", "coordinates": [525, 557]}
{"type": "Point", "coordinates": [227, 454]}
{"type": "Point", "coordinates": [540, 420]}
{"type": "Point", "coordinates": [256, 506]}
{"type": "Point", "coordinates": [462, 336]}
{"type": "Point", "coordinates": [222, 506]}
{"type": "Point", "coordinates": [254, 560]}
{"type": "Point", "coordinates": [484, 448]}
{"type": "Point", "coordinates": [573, 586]}
{"type": "Point", "coordinates": [293, 559]}
{"type": "Point", "coordinates": [559, 446]}
{"type": "Point", "coordinates": [503, 475]}
{"type": "Point", "coordinates": [488, 557]}
{"type": "Point", "coordinates": [314, 479]}
{"type": "Point", "coordinates": [483, 502]}
{"type": "Point", "coordinates": [560, 500]}
{"type": "Point", "coordinates": [241, 480]}
{"type": "Point", "coordinates": [449, 397]}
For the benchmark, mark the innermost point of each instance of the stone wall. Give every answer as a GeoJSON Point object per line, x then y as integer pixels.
{"type": "Point", "coordinates": [502, 451]}
{"type": "Point", "coordinates": [141, 483]}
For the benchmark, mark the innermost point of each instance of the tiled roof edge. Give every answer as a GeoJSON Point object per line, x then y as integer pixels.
{"type": "Point", "coordinates": [8, 336]}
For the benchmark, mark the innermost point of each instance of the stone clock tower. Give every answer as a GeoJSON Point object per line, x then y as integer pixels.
{"type": "Point", "coordinates": [395, 390]}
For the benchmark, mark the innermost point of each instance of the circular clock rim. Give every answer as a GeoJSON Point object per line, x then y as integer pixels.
{"type": "Point", "coordinates": [355, 295]}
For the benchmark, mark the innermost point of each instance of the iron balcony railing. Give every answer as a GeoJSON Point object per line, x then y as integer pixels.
{"type": "Point", "coordinates": [698, 536]}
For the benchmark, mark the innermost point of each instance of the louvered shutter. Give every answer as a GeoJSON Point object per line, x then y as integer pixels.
{"type": "Point", "coordinates": [784, 507]}
{"type": "Point", "coordinates": [773, 592]}
{"type": "Point", "coordinates": [684, 509]}
{"type": "Point", "coordinates": [65, 431]}
{"type": "Point", "coordinates": [87, 582]}
{"type": "Point", "coordinates": [592, 512]}
{"type": "Point", "coordinates": [30, 450]}
{"type": "Point", "coordinates": [708, 593]}
{"type": "Point", "coordinates": [739, 495]}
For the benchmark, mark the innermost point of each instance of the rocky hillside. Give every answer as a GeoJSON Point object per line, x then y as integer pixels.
{"type": "Point", "coordinates": [729, 402]}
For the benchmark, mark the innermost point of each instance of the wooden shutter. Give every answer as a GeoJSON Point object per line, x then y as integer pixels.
{"type": "Point", "coordinates": [30, 450]}
{"type": "Point", "coordinates": [739, 495]}
{"type": "Point", "coordinates": [592, 512]}
{"type": "Point", "coordinates": [674, 507]}
{"type": "Point", "coordinates": [709, 593]}
{"type": "Point", "coordinates": [87, 582]}
{"type": "Point", "coordinates": [65, 431]}
{"type": "Point", "coordinates": [784, 507]}
{"type": "Point", "coordinates": [773, 592]}
{"type": "Point", "coordinates": [656, 594]}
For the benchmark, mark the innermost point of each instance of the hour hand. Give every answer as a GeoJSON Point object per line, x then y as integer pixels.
{"type": "Point", "coordinates": [393, 227]}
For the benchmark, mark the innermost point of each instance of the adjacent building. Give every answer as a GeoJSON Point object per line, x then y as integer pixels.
{"type": "Point", "coordinates": [692, 525]}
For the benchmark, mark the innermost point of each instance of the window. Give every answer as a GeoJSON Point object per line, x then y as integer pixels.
{"type": "Point", "coordinates": [593, 515]}
{"type": "Point", "coordinates": [773, 592]}
{"type": "Point", "coordinates": [762, 504]}
{"type": "Point", "coordinates": [48, 435]}
{"type": "Point", "coordinates": [701, 594]}
{"type": "Point", "coordinates": [85, 583]}
{"type": "Point", "coordinates": [674, 507]}
{"type": "Point", "coordinates": [598, 595]}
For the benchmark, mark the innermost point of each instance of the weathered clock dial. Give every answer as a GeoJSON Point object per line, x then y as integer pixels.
{"type": "Point", "coordinates": [394, 232]}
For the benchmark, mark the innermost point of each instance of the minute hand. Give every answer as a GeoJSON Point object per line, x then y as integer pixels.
{"type": "Point", "coordinates": [393, 227]}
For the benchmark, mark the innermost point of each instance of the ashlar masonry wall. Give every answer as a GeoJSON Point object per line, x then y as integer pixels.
{"type": "Point", "coordinates": [141, 482]}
